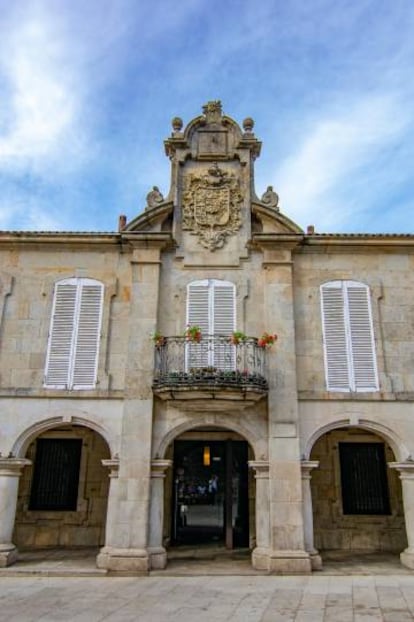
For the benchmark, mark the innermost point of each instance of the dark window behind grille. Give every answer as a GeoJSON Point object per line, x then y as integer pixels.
{"type": "Point", "coordinates": [364, 478]}
{"type": "Point", "coordinates": [56, 474]}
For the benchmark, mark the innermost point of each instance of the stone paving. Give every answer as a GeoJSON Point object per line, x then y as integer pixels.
{"type": "Point", "coordinates": [315, 598]}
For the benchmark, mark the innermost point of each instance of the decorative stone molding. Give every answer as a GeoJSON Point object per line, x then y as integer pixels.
{"type": "Point", "coordinates": [211, 206]}
{"type": "Point", "coordinates": [159, 468]}
{"type": "Point", "coordinates": [12, 467]}
{"type": "Point", "coordinates": [260, 468]}
{"type": "Point", "coordinates": [113, 465]}
{"type": "Point", "coordinates": [307, 466]}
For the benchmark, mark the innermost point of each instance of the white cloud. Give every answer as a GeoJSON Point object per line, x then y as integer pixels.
{"type": "Point", "coordinates": [43, 104]}
{"type": "Point", "coordinates": [312, 180]}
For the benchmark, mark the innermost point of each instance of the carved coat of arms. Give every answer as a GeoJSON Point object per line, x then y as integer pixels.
{"type": "Point", "coordinates": [211, 206]}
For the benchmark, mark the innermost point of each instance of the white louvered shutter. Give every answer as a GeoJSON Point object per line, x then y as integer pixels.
{"type": "Point", "coordinates": [349, 348]}
{"type": "Point", "coordinates": [73, 347]}
{"type": "Point", "coordinates": [59, 354]}
{"type": "Point", "coordinates": [223, 323]}
{"type": "Point", "coordinates": [362, 343]}
{"type": "Point", "coordinates": [86, 339]}
{"type": "Point", "coordinates": [211, 306]}
{"type": "Point", "coordinates": [197, 355]}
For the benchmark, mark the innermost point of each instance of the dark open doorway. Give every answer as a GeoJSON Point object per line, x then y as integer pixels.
{"type": "Point", "coordinates": [210, 500]}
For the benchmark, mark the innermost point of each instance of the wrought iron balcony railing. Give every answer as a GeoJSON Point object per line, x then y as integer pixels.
{"type": "Point", "coordinates": [214, 361]}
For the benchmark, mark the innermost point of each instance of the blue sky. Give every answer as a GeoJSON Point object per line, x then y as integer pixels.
{"type": "Point", "coordinates": [88, 89]}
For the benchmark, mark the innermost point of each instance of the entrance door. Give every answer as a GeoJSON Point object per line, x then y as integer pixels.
{"type": "Point", "coordinates": [211, 493]}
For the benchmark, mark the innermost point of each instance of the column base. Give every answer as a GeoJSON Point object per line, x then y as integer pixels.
{"type": "Point", "coordinates": [316, 560]}
{"type": "Point", "coordinates": [157, 557]}
{"type": "Point", "coordinates": [407, 558]}
{"type": "Point", "coordinates": [281, 562]}
{"type": "Point", "coordinates": [8, 555]}
{"type": "Point", "coordinates": [123, 561]}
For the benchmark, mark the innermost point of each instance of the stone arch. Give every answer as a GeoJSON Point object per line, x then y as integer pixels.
{"type": "Point", "coordinates": [398, 447]}
{"type": "Point", "coordinates": [78, 518]}
{"type": "Point", "coordinates": [195, 424]}
{"type": "Point", "coordinates": [29, 434]}
{"type": "Point", "coordinates": [363, 526]}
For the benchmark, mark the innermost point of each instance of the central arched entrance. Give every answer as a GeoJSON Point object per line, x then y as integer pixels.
{"type": "Point", "coordinates": [210, 492]}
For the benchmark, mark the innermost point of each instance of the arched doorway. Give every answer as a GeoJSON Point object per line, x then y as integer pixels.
{"type": "Point", "coordinates": [357, 500]}
{"type": "Point", "coordinates": [63, 494]}
{"type": "Point", "coordinates": [210, 492]}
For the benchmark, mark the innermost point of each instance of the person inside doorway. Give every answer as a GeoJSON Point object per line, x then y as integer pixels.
{"type": "Point", "coordinates": [212, 488]}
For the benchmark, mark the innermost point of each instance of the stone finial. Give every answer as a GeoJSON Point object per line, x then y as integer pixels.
{"type": "Point", "coordinates": [154, 197]}
{"type": "Point", "coordinates": [248, 125]}
{"type": "Point", "coordinates": [122, 220]}
{"type": "Point", "coordinates": [310, 229]}
{"type": "Point", "coordinates": [213, 111]}
{"type": "Point", "coordinates": [177, 124]}
{"type": "Point", "coordinates": [270, 198]}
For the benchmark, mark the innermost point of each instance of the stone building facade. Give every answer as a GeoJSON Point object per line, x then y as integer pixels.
{"type": "Point", "coordinates": [144, 405]}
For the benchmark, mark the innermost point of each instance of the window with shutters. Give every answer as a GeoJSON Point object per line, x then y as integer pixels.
{"type": "Point", "coordinates": [364, 478]}
{"type": "Point", "coordinates": [56, 474]}
{"type": "Point", "coordinates": [73, 348]}
{"type": "Point", "coordinates": [211, 305]}
{"type": "Point", "coordinates": [348, 337]}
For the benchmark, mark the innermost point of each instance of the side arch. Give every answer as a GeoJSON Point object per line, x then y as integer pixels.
{"type": "Point", "coordinates": [23, 441]}
{"type": "Point", "coordinates": [399, 448]}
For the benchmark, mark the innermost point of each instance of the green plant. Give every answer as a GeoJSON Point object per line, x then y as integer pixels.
{"type": "Point", "coordinates": [237, 337]}
{"type": "Point", "coordinates": [193, 333]}
{"type": "Point", "coordinates": [158, 339]}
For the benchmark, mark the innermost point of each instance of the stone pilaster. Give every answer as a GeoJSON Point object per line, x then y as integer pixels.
{"type": "Point", "coordinates": [261, 553]}
{"type": "Point", "coordinates": [111, 513]}
{"type": "Point", "coordinates": [128, 551]}
{"type": "Point", "coordinates": [157, 553]}
{"type": "Point", "coordinates": [307, 466]}
{"type": "Point", "coordinates": [288, 554]}
{"type": "Point", "coordinates": [406, 471]}
{"type": "Point", "coordinates": [10, 471]}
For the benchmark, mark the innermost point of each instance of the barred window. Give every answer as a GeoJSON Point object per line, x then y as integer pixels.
{"type": "Point", "coordinates": [56, 474]}
{"type": "Point", "coordinates": [364, 478]}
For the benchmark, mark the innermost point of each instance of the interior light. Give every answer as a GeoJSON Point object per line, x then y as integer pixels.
{"type": "Point", "coordinates": [206, 456]}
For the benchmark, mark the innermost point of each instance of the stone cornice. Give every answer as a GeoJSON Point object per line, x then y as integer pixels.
{"type": "Point", "coordinates": [52, 239]}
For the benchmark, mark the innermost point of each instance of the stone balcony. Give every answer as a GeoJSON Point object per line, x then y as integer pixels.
{"type": "Point", "coordinates": [213, 369]}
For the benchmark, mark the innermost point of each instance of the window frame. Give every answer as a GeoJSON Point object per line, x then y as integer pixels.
{"type": "Point", "coordinates": [353, 383]}
{"type": "Point", "coordinates": [77, 317]}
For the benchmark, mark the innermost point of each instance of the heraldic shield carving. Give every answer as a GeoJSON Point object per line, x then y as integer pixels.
{"type": "Point", "coordinates": [211, 206]}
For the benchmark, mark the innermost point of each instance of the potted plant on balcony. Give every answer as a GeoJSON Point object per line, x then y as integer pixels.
{"type": "Point", "coordinates": [237, 337]}
{"type": "Point", "coordinates": [267, 340]}
{"type": "Point", "coordinates": [158, 339]}
{"type": "Point", "coordinates": [193, 333]}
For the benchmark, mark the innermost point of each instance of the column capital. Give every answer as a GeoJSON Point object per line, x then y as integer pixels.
{"type": "Point", "coordinates": [159, 467]}
{"type": "Point", "coordinates": [12, 467]}
{"type": "Point", "coordinates": [406, 469]}
{"type": "Point", "coordinates": [260, 468]}
{"type": "Point", "coordinates": [307, 466]}
{"type": "Point", "coordinates": [113, 465]}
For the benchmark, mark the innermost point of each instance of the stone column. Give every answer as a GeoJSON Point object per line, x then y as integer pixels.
{"type": "Point", "coordinates": [261, 553]}
{"type": "Point", "coordinates": [157, 553]}
{"type": "Point", "coordinates": [10, 471]}
{"type": "Point", "coordinates": [406, 471]}
{"type": "Point", "coordinates": [307, 466]}
{"type": "Point", "coordinates": [111, 512]}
